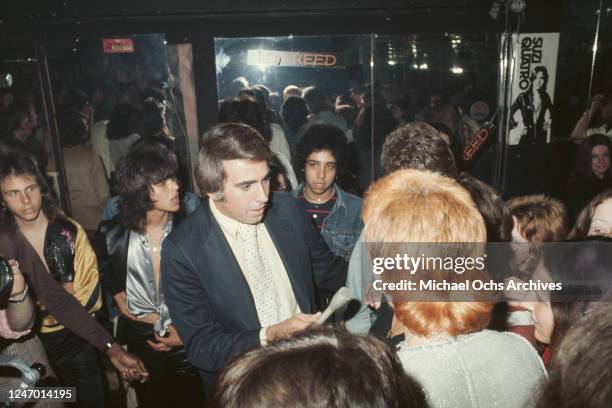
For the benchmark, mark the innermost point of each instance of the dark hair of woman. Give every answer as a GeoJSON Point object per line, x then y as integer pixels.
{"type": "Point", "coordinates": [584, 159]}
{"type": "Point", "coordinates": [125, 119]}
{"type": "Point", "coordinates": [15, 161]}
{"type": "Point", "coordinates": [493, 209]}
{"type": "Point", "coordinates": [145, 165]}
{"type": "Point", "coordinates": [246, 111]}
{"type": "Point", "coordinates": [322, 137]}
{"type": "Point", "coordinates": [294, 112]}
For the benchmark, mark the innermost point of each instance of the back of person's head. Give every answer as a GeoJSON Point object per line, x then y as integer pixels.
{"type": "Point", "coordinates": [539, 218]}
{"type": "Point", "coordinates": [246, 111]}
{"type": "Point", "coordinates": [322, 367]}
{"type": "Point", "coordinates": [291, 90]}
{"type": "Point", "coordinates": [322, 137]}
{"type": "Point", "coordinates": [227, 141]}
{"type": "Point", "coordinates": [75, 100]}
{"type": "Point", "coordinates": [348, 113]}
{"type": "Point", "coordinates": [585, 218]}
{"type": "Point", "coordinates": [73, 129]}
{"type": "Point", "coordinates": [493, 209]}
{"type": "Point", "coordinates": [421, 206]}
{"type": "Point", "coordinates": [315, 99]}
{"type": "Point", "coordinates": [418, 146]}
{"type": "Point", "coordinates": [153, 94]}
{"type": "Point", "coordinates": [146, 164]}
{"type": "Point", "coordinates": [17, 161]}
{"type": "Point", "coordinates": [579, 374]}
{"type": "Point", "coordinates": [255, 94]}
{"type": "Point", "coordinates": [236, 86]}
{"type": "Point", "coordinates": [266, 91]}
{"type": "Point", "coordinates": [413, 206]}
{"type": "Point", "coordinates": [125, 119]}
{"type": "Point", "coordinates": [584, 157]}
{"type": "Point", "coordinates": [294, 112]}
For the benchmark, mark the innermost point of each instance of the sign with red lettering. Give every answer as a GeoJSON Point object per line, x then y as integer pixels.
{"type": "Point", "coordinates": [267, 58]}
{"type": "Point", "coordinates": [118, 45]}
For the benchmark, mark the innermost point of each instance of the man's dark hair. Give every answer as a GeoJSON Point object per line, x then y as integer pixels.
{"type": "Point", "coordinates": [152, 119]}
{"type": "Point", "coordinates": [246, 111]}
{"type": "Point", "coordinates": [146, 164]}
{"type": "Point", "coordinates": [321, 367]}
{"type": "Point", "coordinates": [73, 129]}
{"type": "Point", "coordinates": [321, 137]}
{"type": "Point", "coordinates": [74, 100]}
{"type": "Point", "coordinates": [315, 98]}
{"type": "Point", "coordinates": [493, 209]}
{"type": "Point", "coordinates": [125, 119]}
{"type": "Point", "coordinates": [16, 161]}
{"type": "Point", "coordinates": [294, 112]}
{"type": "Point", "coordinates": [228, 141]}
{"type": "Point", "coordinates": [418, 146]}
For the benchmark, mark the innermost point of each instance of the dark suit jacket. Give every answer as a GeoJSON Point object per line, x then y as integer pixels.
{"type": "Point", "coordinates": [209, 299]}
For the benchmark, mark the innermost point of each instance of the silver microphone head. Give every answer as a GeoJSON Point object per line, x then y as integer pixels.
{"type": "Point", "coordinates": [341, 298]}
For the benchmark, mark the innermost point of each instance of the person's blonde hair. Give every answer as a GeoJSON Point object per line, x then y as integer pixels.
{"type": "Point", "coordinates": [422, 206]}
{"type": "Point", "coordinates": [540, 218]}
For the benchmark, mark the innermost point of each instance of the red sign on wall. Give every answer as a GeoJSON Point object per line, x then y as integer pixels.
{"type": "Point", "coordinates": [118, 45]}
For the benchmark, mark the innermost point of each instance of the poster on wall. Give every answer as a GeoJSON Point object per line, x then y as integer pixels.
{"type": "Point", "coordinates": [533, 88]}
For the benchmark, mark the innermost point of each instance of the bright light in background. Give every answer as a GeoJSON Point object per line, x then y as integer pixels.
{"type": "Point", "coordinates": [415, 66]}
{"type": "Point", "coordinates": [391, 62]}
{"type": "Point", "coordinates": [372, 64]}
{"type": "Point", "coordinates": [457, 70]}
{"type": "Point", "coordinates": [424, 66]}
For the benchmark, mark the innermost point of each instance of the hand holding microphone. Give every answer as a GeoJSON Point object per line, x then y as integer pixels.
{"type": "Point", "coordinates": [301, 320]}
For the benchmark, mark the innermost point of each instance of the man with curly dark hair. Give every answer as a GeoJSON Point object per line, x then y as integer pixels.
{"type": "Point", "coordinates": [320, 162]}
{"type": "Point", "coordinates": [149, 201]}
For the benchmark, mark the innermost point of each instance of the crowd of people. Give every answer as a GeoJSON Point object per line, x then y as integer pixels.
{"type": "Point", "coordinates": [214, 300]}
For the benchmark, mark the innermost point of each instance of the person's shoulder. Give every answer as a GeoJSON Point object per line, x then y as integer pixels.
{"type": "Point", "coordinates": [511, 342]}
{"type": "Point", "coordinates": [283, 203]}
{"type": "Point", "coordinates": [190, 226]}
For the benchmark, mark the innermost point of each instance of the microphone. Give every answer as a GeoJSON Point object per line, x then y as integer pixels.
{"type": "Point", "coordinates": [341, 298]}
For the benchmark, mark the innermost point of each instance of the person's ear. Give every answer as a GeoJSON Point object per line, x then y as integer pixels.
{"type": "Point", "coordinates": [216, 196]}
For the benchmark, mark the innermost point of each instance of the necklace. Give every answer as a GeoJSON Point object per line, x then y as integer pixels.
{"type": "Point", "coordinates": [319, 200]}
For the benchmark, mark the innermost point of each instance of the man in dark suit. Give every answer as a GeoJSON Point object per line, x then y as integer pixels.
{"type": "Point", "coordinates": [242, 270]}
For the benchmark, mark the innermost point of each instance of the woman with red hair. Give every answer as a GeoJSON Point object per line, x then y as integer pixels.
{"type": "Point", "coordinates": [447, 347]}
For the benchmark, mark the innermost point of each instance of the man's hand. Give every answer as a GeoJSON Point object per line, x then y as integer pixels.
{"type": "Point", "coordinates": [129, 366]}
{"type": "Point", "coordinates": [166, 343]}
{"type": "Point", "coordinates": [595, 104]}
{"type": "Point", "coordinates": [294, 324]}
{"type": "Point", "coordinates": [121, 301]}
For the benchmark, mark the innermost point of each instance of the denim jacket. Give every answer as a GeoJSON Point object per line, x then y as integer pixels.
{"type": "Point", "coordinates": [343, 225]}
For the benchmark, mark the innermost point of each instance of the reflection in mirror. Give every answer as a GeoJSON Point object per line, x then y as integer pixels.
{"type": "Point", "coordinates": [110, 92]}
{"type": "Point", "coordinates": [301, 81]}
{"type": "Point", "coordinates": [448, 80]}
{"type": "Point", "coordinates": [23, 119]}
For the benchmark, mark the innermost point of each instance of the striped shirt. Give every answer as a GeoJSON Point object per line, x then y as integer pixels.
{"type": "Point", "coordinates": [317, 212]}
